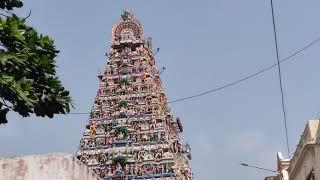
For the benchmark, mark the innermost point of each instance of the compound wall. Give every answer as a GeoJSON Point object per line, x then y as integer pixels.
{"type": "Point", "coordinates": [45, 167]}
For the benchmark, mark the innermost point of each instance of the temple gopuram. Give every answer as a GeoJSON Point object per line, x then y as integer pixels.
{"type": "Point", "coordinates": [131, 133]}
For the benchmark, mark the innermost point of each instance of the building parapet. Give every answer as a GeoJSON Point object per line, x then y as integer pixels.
{"type": "Point", "coordinates": [309, 137]}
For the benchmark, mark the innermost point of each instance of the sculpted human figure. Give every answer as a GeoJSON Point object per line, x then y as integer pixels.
{"type": "Point", "coordinates": [126, 149]}
{"type": "Point", "coordinates": [140, 157]}
{"type": "Point", "coordinates": [126, 169]}
{"type": "Point", "coordinates": [159, 136]}
{"type": "Point", "coordinates": [161, 169]}
{"type": "Point", "coordinates": [93, 129]}
{"type": "Point", "coordinates": [136, 170]}
{"type": "Point", "coordinates": [120, 136]}
{"type": "Point", "coordinates": [111, 52]}
{"type": "Point", "coordinates": [113, 150]}
{"type": "Point", "coordinates": [160, 110]}
{"type": "Point", "coordinates": [153, 123]}
{"type": "Point", "coordinates": [123, 86]}
{"type": "Point", "coordinates": [109, 169]}
{"type": "Point", "coordinates": [134, 138]}
{"type": "Point", "coordinates": [178, 172]}
{"type": "Point", "coordinates": [158, 155]}
{"type": "Point", "coordinates": [144, 137]}
{"type": "Point", "coordinates": [131, 170]}
{"type": "Point", "coordinates": [118, 168]}
{"type": "Point", "coordinates": [139, 171]}
{"type": "Point", "coordinates": [138, 135]}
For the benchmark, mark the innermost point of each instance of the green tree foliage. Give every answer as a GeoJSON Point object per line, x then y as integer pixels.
{"type": "Point", "coordinates": [28, 80]}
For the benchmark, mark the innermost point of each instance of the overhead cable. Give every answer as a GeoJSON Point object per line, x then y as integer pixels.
{"type": "Point", "coordinates": [242, 79]}
{"type": "Point", "coordinates": [280, 78]}
{"type": "Point", "coordinates": [249, 76]}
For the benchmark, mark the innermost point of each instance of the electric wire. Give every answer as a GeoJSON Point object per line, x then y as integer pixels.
{"type": "Point", "coordinates": [249, 76]}
{"type": "Point", "coordinates": [280, 77]}
{"type": "Point", "coordinates": [312, 43]}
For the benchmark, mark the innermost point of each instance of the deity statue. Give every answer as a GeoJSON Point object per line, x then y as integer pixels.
{"type": "Point", "coordinates": [136, 170]}
{"type": "Point", "coordinates": [120, 136]}
{"type": "Point", "coordinates": [131, 170]}
{"type": "Point", "coordinates": [158, 155]}
{"type": "Point", "coordinates": [113, 150]}
{"type": "Point", "coordinates": [153, 124]}
{"type": "Point", "coordinates": [123, 86]}
{"type": "Point", "coordinates": [140, 157]}
{"type": "Point", "coordinates": [109, 169]}
{"type": "Point", "coordinates": [118, 168]}
{"type": "Point", "coordinates": [126, 149]}
{"type": "Point", "coordinates": [139, 171]}
{"type": "Point", "coordinates": [126, 169]}
{"type": "Point", "coordinates": [93, 129]}
{"type": "Point", "coordinates": [144, 137]}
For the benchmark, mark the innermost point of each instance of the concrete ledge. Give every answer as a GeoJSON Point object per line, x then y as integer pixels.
{"type": "Point", "coordinates": [59, 166]}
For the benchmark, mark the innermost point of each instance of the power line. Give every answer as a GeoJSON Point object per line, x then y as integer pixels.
{"type": "Point", "coordinates": [250, 76]}
{"type": "Point", "coordinates": [280, 77]}
{"type": "Point", "coordinates": [245, 78]}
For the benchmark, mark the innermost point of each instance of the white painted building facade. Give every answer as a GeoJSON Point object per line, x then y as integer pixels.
{"type": "Point", "coordinates": [305, 163]}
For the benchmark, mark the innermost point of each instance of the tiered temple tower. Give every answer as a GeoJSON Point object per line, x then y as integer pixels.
{"type": "Point", "coordinates": [131, 133]}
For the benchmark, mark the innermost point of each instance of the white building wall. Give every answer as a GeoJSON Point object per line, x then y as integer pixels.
{"type": "Point", "coordinates": [317, 161]}
{"type": "Point", "coordinates": [307, 154]}
{"type": "Point", "coordinates": [306, 157]}
{"type": "Point", "coordinates": [305, 166]}
{"type": "Point", "coordinates": [45, 167]}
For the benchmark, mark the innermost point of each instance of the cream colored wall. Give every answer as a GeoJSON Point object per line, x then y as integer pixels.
{"type": "Point", "coordinates": [317, 161]}
{"type": "Point", "coordinates": [306, 156]}
{"type": "Point", "coordinates": [305, 166]}
{"type": "Point", "coordinates": [45, 167]}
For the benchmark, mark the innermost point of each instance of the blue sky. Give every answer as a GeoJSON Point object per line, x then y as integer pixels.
{"type": "Point", "coordinates": [203, 45]}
